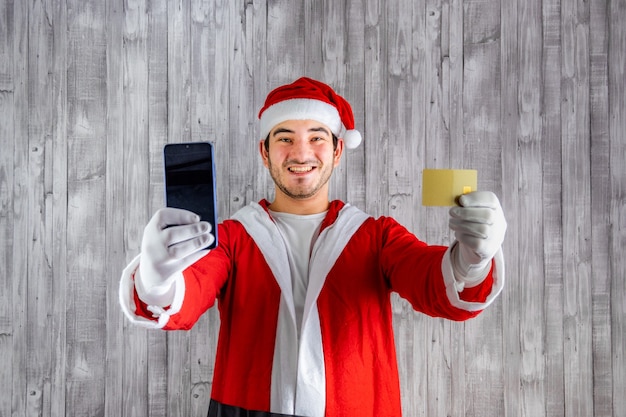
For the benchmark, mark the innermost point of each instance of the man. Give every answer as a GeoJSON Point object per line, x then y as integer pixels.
{"type": "Point", "coordinates": [304, 283]}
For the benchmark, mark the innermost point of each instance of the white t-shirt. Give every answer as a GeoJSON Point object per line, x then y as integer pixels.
{"type": "Point", "coordinates": [299, 233]}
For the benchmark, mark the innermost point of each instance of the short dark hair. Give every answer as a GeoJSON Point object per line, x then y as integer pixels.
{"type": "Point", "coordinates": [266, 142]}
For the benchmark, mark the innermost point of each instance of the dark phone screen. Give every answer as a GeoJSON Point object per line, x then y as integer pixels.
{"type": "Point", "coordinates": [190, 180]}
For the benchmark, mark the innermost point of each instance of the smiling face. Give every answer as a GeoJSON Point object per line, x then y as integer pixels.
{"type": "Point", "coordinates": [301, 160]}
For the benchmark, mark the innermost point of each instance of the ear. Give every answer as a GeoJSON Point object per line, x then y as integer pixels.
{"type": "Point", "coordinates": [264, 153]}
{"type": "Point", "coordinates": [338, 152]}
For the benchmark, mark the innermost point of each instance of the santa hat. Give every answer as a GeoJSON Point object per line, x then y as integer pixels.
{"type": "Point", "coordinates": [308, 99]}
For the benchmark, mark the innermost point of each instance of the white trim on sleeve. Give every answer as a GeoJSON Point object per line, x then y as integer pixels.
{"type": "Point", "coordinates": [127, 299]}
{"type": "Point", "coordinates": [453, 287]}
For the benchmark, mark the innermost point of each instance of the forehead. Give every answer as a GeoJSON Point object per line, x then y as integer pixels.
{"type": "Point", "coordinates": [298, 126]}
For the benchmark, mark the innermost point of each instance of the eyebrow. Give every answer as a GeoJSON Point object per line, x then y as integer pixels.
{"type": "Point", "coordinates": [313, 129]}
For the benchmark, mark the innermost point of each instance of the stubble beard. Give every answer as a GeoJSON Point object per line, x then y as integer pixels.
{"type": "Point", "coordinates": [297, 194]}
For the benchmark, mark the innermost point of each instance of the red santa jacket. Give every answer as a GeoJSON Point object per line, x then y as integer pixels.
{"type": "Point", "coordinates": [342, 362]}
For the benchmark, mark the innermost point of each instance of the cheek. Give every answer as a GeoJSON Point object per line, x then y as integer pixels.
{"type": "Point", "coordinates": [271, 160]}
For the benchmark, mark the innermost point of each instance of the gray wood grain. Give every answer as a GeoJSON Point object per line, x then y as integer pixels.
{"type": "Point", "coordinates": [530, 93]}
{"type": "Point", "coordinates": [617, 233]}
{"type": "Point", "coordinates": [8, 129]}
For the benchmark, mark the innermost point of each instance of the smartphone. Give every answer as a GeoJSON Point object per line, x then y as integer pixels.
{"type": "Point", "coordinates": [190, 180]}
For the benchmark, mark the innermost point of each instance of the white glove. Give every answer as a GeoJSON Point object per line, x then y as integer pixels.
{"type": "Point", "coordinates": [479, 226]}
{"type": "Point", "coordinates": [172, 241]}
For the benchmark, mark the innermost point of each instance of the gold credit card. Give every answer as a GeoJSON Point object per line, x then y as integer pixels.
{"type": "Point", "coordinates": [441, 187]}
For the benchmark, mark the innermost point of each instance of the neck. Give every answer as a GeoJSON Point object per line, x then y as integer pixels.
{"type": "Point", "coordinates": [312, 205]}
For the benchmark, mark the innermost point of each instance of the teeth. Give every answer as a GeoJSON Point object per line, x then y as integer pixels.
{"type": "Point", "coordinates": [300, 169]}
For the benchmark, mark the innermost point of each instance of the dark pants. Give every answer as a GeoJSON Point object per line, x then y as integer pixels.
{"type": "Point", "coordinates": [221, 410]}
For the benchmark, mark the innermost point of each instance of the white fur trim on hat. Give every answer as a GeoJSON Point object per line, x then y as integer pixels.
{"type": "Point", "coordinates": [301, 109]}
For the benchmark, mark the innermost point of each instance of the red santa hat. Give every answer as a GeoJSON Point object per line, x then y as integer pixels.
{"type": "Point", "coordinates": [308, 99]}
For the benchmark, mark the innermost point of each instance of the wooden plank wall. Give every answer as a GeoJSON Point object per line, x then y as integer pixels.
{"type": "Point", "coordinates": [532, 93]}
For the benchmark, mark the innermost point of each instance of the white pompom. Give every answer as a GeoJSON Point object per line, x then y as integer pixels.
{"type": "Point", "coordinates": [352, 139]}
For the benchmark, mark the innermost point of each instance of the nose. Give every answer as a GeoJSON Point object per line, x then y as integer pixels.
{"type": "Point", "coordinates": [301, 149]}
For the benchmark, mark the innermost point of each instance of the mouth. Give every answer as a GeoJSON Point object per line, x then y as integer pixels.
{"type": "Point", "coordinates": [300, 169]}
